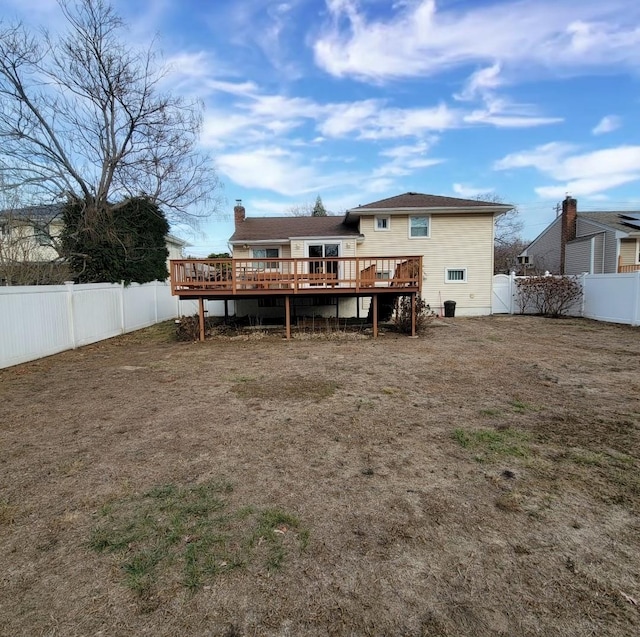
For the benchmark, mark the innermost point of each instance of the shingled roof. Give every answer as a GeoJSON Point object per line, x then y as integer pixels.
{"type": "Point", "coordinates": [614, 219]}
{"type": "Point", "coordinates": [39, 214]}
{"type": "Point", "coordinates": [284, 228]}
{"type": "Point", "coordinates": [419, 200]}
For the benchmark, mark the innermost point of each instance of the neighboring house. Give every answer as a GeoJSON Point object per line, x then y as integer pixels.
{"type": "Point", "coordinates": [592, 242]}
{"type": "Point", "coordinates": [176, 247]}
{"type": "Point", "coordinates": [30, 236]}
{"type": "Point", "coordinates": [31, 233]}
{"type": "Point", "coordinates": [453, 236]}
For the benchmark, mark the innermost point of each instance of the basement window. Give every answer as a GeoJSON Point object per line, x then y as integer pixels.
{"type": "Point", "coordinates": [455, 275]}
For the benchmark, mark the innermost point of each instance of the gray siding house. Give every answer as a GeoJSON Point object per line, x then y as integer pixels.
{"type": "Point", "coordinates": [592, 242]}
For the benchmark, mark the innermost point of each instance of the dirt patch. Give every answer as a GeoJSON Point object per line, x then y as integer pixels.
{"type": "Point", "coordinates": [483, 479]}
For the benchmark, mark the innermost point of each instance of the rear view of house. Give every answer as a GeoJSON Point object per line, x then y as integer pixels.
{"type": "Point", "coordinates": [440, 247]}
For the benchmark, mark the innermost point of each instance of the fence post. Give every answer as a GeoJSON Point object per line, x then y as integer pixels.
{"type": "Point", "coordinates": [155, 300]}
{"type": "Point", "coordinates": [512, 293]}
{"type": "Point", "coordinates": [72, 326]}
{"type": "Point", "coordinates": [122, 324]}
{"type": "Point", "coordinates": [635, 321]}
{"type": "Point", "coordinates": [584, 294]}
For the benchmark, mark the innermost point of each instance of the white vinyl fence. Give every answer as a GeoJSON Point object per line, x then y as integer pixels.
{"type": "Point", "coordinates": [41, 320]}
{"type": "Point", "coordinates": [614, 298]}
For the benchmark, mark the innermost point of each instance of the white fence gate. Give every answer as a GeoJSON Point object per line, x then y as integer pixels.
{"type": "Point", "coordinates": [502, 299]}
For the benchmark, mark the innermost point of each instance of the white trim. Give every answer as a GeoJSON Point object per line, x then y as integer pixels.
{"type": "Point", "coordinates": [425, 216]}
{"type": "Point", "coordinates": [386, 219]}
{"type": "Point", "coordinates": [494, 209]}
{"type": "Point", "coordinates": [266, 258]}
{"type": "Point", "coordinates": [455, 281]}
{"type": "Point", "coordinates": [322, 242]}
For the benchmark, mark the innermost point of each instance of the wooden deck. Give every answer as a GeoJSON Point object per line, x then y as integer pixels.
{"type": "Point", "coordinates": [251, 278]}
{"type": "Point", "coordinates": [629, 268]}
{"type": "Point", "coordinates": [228, 279]}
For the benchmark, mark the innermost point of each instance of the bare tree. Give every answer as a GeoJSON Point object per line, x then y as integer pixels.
{"type": "Point", "coordinates": [508, 242]}
{"type": "Point", "coordinates": [301, 210]}
{"type": "Point", "coordinates": [308, 209]}
{"type": "Point", "coordinates": [83, 117]}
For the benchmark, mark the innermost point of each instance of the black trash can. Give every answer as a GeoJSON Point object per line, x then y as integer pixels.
{"type": "Point", "coordinates": [449, 309]}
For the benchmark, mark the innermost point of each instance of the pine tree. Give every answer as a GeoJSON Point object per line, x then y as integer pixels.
{"type": "Point", "coordinates": [319, 209]}
{"type": "Point", "coordinates": [126, 243]}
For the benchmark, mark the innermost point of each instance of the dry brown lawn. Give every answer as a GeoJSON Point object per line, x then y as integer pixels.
{"type": "Point", "coordinates": [483, 479]}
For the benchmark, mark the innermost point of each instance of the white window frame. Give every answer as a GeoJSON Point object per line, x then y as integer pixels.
{"type": "Point", "coordinates": [386, 219]}
{"type": "Point", "coordinates": [324, 241]}
{"type": "Point", "coordinates": [428, 218]}
{"type": "Point", "coordinates": [265, 259]}
{"type": "Point", "coordinates": [447, 272]}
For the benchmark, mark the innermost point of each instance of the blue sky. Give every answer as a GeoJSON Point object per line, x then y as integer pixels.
{"type": "Point", "coordinates": [360, 100]}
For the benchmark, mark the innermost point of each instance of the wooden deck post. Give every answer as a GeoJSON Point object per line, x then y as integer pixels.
{"type": "Point", "coordinates": [374, 300]}
{"type": "Point", "coordinates": [226, 311]}
{"type": "Point", "coordinates": [201, 317]}
{"type": "Point", "coordinates": [413, 314]}
{"type": "Point", "coordinates": [287, 315]}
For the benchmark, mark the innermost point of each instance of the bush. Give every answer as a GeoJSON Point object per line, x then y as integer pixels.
{"type": "Point", "coordinates": [402, 319]}
{"type": "Point", "coordinates": [548, 295]}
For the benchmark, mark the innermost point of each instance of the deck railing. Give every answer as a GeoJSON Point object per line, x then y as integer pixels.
{"type": "Point", "coordinates": [238, 276]}
{"type": "Point", "coordinates": [629, 268]}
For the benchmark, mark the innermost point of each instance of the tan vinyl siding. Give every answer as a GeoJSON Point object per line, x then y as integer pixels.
{"type": "Point", "coordinates": [455, 241]}
{"type": "Point", "coordinates": [544, 252]}
{"type": "Point", "coordinates": [240, 252]}
{"type": "Point", "coordinates": [299, 246]}
{"type": "Point", "coordinates": [579, 256]}
{"type": "Point", "coordinates": [21, 244]}
{"type": "Point", "coordinates": [628, 251]}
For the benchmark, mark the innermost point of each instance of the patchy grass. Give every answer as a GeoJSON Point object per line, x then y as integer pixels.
{"type": "Point", "coordinates": [490, 444]}
{"type": "Point", "coordinates": [451, 485]}
{"type": "Point", "coordinates": [190, 534]}
{"type": "Point", "coordinates": [521, 407]}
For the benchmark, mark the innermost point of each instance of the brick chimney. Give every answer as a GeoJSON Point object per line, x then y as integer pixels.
{"type": "Point", "coordinates": [567, 227]}
{"type": "Point", "coordinates": [238, 212]}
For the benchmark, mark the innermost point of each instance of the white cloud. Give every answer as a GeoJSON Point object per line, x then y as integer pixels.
{"type": "Point", "coordinates": [587, 186]}
{"type": "Point", "coordinates": [496, 110]}
{"type": "Point", "coordinates": [580, 174]}
{"type": "Point", "coordinates": [545, 158]}
{"type": "Point", "coordinates": [607, 124]}
{"type": "Point", "coordinates": [469, 192]}
{"type": "Point", "coordinates": [509, 121]}
{"type": "Point", "coordinates": [271, 168]}
{"type": "Point", "coordinates": [424, 37]}
{"type": "Point", "coordinates": [482, 81]}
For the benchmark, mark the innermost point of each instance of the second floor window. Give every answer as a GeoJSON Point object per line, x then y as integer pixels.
{"type": "Point", "coordinates": [419, 227]}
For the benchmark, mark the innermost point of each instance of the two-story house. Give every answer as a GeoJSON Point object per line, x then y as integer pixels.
{"type": "Point", "coordinates": [441, 247]}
